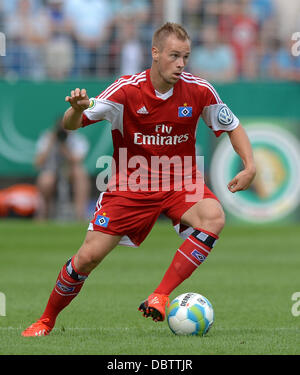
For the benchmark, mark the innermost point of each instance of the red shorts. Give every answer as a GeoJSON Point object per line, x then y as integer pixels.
{"type": "Point", "coordinates": [133, 214]}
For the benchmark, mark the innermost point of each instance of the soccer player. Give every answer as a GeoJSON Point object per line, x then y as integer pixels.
{"type": "Point", "coordinates": [154, 114]}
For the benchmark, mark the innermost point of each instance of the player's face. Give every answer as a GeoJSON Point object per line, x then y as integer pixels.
{"type": "Point", "coordinates": [170, 60]}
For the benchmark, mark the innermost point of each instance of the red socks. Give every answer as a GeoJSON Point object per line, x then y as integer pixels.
{"type": "Point", "coordinates": [68, 285]}
{"type": "Point", "coordinates": [188, 257]}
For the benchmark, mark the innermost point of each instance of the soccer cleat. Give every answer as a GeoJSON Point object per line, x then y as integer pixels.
{"type": "Point", "coordinates": [155, 306]}
{"type": "Point", "coordinates": [38, 328]}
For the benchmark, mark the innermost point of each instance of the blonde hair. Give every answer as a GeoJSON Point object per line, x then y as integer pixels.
{"type": "Point", "coordinates": [166, 30]}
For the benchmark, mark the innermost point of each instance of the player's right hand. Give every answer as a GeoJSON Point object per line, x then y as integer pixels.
{"type": "Point", "coordinates": [78, 99]}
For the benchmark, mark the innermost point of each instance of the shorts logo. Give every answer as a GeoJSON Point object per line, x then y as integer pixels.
{"type": "Point", "coordinates": [185, 111]}
{"type": "Point", "coordinates": [200, 257]}
{"type": "Point", "coordinates": [65, 288]}
{"type": "Point", "coordinates": [225, 116]}
{"type": "Point", "coordinates": [102, 221]}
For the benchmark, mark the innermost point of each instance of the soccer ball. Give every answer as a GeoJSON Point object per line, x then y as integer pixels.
{"type": "Point", "coordinates": [190, 314]}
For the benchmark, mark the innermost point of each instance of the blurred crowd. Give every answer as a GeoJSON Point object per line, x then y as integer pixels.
{"type": "Point", "coordinates": [232, 39]}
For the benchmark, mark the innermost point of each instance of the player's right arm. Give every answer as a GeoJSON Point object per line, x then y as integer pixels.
{"type": "Point", "coordinates": [79, 101]}
{"type": "Point", "coordinates": [85, 111]}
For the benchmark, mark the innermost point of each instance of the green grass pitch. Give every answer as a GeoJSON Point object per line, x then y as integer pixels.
{"type": "Point", "coordinates": [249, 277]}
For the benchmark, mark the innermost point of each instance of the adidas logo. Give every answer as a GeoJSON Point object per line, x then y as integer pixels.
{"type": "Point", "coordinates": [154, 301]}
{"type": "Point", "coordinates": [142, 111]}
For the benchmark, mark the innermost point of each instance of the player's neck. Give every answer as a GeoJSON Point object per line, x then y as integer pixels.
{"type": "Point", "coordinates": [158, 82]}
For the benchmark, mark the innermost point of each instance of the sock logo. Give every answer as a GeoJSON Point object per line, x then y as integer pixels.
{"type": "Point", "coordinates": [199, 256]}
{"type": "Point", "coordinates": [202, 236]}
{"type": "Point", "coordinates": [65, 288]}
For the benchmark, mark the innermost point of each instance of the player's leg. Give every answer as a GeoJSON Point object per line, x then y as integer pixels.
{"type": "Point", "coordinates": [81, 189]}
{"type": "Point", "coordinates": [93, 250]}
{"type": "Point", "coordinates": [207, 214]}
{"type": "Point", "coordinates": [71, 279]}
{"type": "Point", "coordinates": [207, 218]}
{"type": "Point", "coordinates": [46, 183]}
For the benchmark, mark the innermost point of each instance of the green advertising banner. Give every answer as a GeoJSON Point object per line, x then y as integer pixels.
{"type": "Point", "coordinates": [27, 110]}
{"type": "Point", "coordinates": [269, 111]}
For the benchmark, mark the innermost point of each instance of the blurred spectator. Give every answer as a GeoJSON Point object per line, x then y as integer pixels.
{"type": "Point", "coordinates": [59, 157]}
{"type": "Point", "coordinates": [60, 39]}
{"type": "Point", "coordinates": [240, 29]}
{"type": "Point", "coordinates": [60, 24]}
{"type": "Point", "coordinates": [285, 65]}
{"type": "Point", "coordinates": [131, 56]}
{"type": "Point", "coordinates": [59, 51]}
{"type": "Point", "coordinates": [287, 17]}
{"type": "Point", "coordinates": [59, 58]}
{"type": "Point", "coordinates": [268, 45]}
{"type": "Point", "coordinates": [227, 12]}
{"type": "Point", "coordinates": [10, 7]}
{"type": "Point", "coordinates": [2, 14]}
{"type": "Point", "coordinates": [153, 19]}
{"type": "Point", "coordinates": [192, 16]}
{"type": "Point", "coordinates": [91, 22]}
{"type": "Point", "coordinates": [131, 9]}
{"type": "Point", "coordinates": [212, 60]}
{"type": "Point", "coordinates": [157, 12]}
{"type": "Point", "coordinates": [126, 48]}
{"type": "Point", "coordinates": [196, 13]}
{"type": "Point", "coordinates": [261, 10]}
{"type": "Point", "coordinates": [27, 32]}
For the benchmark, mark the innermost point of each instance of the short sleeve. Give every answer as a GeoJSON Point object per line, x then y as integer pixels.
{"type": "Point", "coordinates": [217, 115]}
{"type": "Point", "coordinates": [105, 106]}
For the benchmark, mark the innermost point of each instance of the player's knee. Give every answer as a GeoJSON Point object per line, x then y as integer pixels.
{"type": "Point", "coordinates": [219, 221]}
{"type": "Point", "coordinates": [85, 261]}
{"type": "Point", "coordinates": [87, 257]}
{"type": "Point", "coordinates": [214, 220]}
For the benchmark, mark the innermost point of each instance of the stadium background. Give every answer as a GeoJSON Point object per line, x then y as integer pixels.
{"type": "Point", "coordinates": [254, 272]}
{"type": "Point", "coordinates": [243, 47]}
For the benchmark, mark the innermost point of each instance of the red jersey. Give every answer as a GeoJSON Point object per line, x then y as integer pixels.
{"type": "Point", "coordinates": [149, 127]}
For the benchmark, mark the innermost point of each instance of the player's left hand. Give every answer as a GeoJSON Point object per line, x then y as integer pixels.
{"type": "Point", "coordinates": [241, 181]}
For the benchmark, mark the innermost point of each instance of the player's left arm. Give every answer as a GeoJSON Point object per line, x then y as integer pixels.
{"type": "Point", "coordinates": [242, 146]}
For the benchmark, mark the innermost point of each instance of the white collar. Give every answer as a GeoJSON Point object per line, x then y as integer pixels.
{"type": "Point", "coordinates": [165, 95]}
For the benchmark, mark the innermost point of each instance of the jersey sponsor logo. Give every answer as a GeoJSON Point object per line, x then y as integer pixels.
{"type": "Point", "coordinates": [225, 116]}
{"type": "Point", "coordinates": [199, 256]}
{"type": "Point", "coordinates": [159, 140]}
{"type": "Point", "coordinates": [142, 111]}
{"type": "Point", "coordinates": [185, 111]}
{"type": "Point", "coordinates": [102, 221]}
